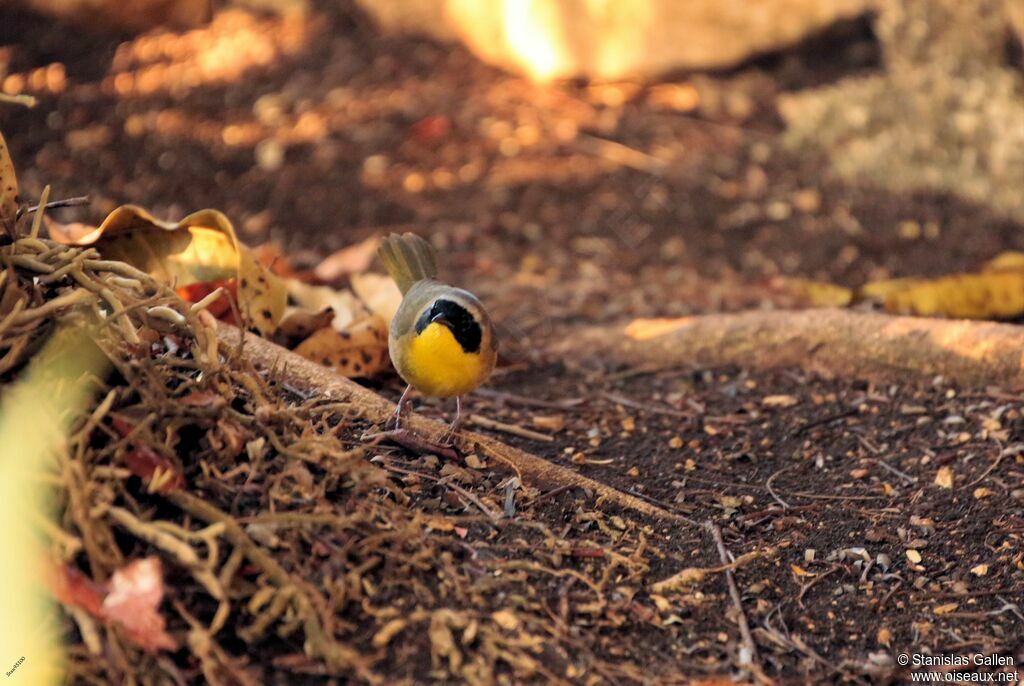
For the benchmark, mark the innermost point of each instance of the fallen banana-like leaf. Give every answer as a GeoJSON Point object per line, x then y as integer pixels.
{"type": "Point", "coordinates": [990, 295]}
{"type": "Point", "coordinates": [201, 248]}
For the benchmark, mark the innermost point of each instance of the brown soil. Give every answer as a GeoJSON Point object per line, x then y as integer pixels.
{"type": "Point", "coordinates": [553, 231]}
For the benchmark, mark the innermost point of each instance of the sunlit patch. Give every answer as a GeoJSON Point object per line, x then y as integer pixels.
{"type": "Point", "coordinates": [49, 79]}
{"type": "Point", "coordinates": [644, 329]}
{"type": "Point", "coordinates": [235, 41]}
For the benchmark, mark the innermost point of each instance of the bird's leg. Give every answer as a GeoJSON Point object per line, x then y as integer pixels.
{"type": "Point", "coordinates": [403, 402]}
{"type": "Point", "coordinates": [456, 425]}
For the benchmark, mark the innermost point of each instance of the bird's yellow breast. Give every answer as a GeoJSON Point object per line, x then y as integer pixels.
{"type": "Point", "coordinates": [436, 365]}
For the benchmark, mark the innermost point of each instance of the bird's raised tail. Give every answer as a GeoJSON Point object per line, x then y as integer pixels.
{"type": "Point", "coordinates": [408, 259]}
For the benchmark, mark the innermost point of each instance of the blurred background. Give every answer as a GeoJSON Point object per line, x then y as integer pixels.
{"type": "Point", "coordinates": [606, 158]}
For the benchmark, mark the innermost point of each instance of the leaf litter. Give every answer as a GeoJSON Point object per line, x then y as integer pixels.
{"type": "Point", "coordinates": [215, 524]}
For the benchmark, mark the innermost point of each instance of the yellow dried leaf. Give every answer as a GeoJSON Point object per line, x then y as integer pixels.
{"type": "Point", "coordinates": [201, 248]}
{"type": "Point", "coordinates": [8, 190]}
{"type": "Point", "coordinates": [1011, 260]}
{"type": "Point", "coordinates": [982, 492]}
{"type": "Point", "coordinates": [979, 570]}
{"type": "Point", "coordinates": [914, 556]}
{"type": "Point", "coordinates": [944, 478]}
{"type": "Point", "coordinates": [811, 293]}
{"type": "Point", "coordinates": [359, 351]}
{"type": "Point", "coordinates": [997, 294]}
{"type": "Point", "coordinates": [884, 636]}
{"type": "Point", "coordinates": [945, 609]}
{"type": "Point", "coordinates": [800, 571]}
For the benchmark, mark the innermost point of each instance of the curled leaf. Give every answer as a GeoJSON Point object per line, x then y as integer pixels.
{"type": "Point", "coordinates": [201, 248]}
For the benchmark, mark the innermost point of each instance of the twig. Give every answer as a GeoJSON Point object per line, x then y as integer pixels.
{"type": "Point", "coordinates": [509, 428]}
{"type": "Point", "coordinates": [903, 475]}
{"type": "Point", "coordinates": [810, 584]}
{"type": "Point", "coordinates": [515, 399]}
{"type": "Point", "coordinates": [771, 491]}
{"type": "Point", "coordinates": [66, 202]}
{"type": "Point", "coordinates": [448, 484]}
{"type": "Point", "coordinates": [416, 443]}
{"type": "Point", "coordinates": [748, 652]}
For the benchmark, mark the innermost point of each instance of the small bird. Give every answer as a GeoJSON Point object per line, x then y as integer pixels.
{"type": "Point", "coordinates": [441, 339]}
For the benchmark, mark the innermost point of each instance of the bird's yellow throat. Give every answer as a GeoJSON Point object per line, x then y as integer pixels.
{"type": "Point", "coordinates": [439, 367]}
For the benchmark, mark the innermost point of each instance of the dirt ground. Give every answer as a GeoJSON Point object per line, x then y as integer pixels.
{"type": "Point", "coordinates": [567, 206]}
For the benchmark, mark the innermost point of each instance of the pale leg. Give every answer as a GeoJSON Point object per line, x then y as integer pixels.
{"type": "Point", "coordinates": [403, 402]}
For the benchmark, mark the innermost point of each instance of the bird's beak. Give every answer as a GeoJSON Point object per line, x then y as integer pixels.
{"type": "Point", "coordinates": [439, 319]}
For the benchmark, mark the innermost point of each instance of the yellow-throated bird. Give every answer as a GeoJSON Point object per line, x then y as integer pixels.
{"type": "Point", "coordinates": [441, 340]}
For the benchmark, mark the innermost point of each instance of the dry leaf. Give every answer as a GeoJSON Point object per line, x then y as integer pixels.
{"type": "Point", "coordinates": [996, 294]}
{"type": "Point", "coordinates": [945, 609]}
{"type": "Point", "coordinates": [983, 492]}
{"type": "Point", "coordinates": [73, 588]}
{"type": "Point", "coordinates": [8, 190]}
{"type": "Point", "coordinates": [156, 471]}
{"type": "Point", "coordinates": [133, 601]}
{"type": "Point", "coordinates": [914, 556]}
{"type": "Point", "coordinates": [315, 299]}
{"type": "Point", "coordinates": [359, 351]}
{"type": "Point", "coordinates": [379, 293]}
{"type": "Point", "coordinates": [809, 293]}
{"type": "Point", "coordinates": [298, 324]}
{"type": "Point", "coordinates": [884, 636]}
{"type": "Point", "coordinates": [800, 571]}
{"type": "Point", "coordinates": [944, 478]}
{"type": "Point", "coordinates": [1011, 260]}
{"type": "Point", "coordinates": [201, 248]}
{"type": "Point", "coordinates": [979, 570]}
{"type": "Point", "coordinates": [353, 259]}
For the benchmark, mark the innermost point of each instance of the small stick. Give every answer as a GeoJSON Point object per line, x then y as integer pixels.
{"type": "Point", "coordinates": [748, 656]}
{"type": "Point", "coordinates": [447, 484]}
{"type": "Point", "coordinates": [771, 491]}
{"type": "Point", "coordinates": [509, 428]}
{"type": "Point", "coordinates": [417, 444]}
{"type": "Point", "coordinates": [66, 202]}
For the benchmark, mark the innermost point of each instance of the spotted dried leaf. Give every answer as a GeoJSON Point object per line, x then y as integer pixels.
{"type": "Point", "coordinates": [359, 351]}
